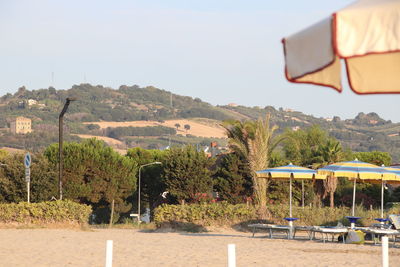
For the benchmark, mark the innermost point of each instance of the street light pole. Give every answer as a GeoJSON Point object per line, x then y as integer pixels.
{"type": "Point", "coordinates": [60, 142]}
{"type": "Point", "coordinates": [156, 162]}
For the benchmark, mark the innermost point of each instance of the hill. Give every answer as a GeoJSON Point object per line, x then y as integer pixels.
{"type": "Point", "coordinates": [152, 117]}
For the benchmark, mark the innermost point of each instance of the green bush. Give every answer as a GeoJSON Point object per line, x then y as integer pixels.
{"type": "Point", "coordinates": [49, 212]}
{"type": "Point", "coordinates": [326, 216]}
{"type": "Point", "coordinates": [214, 214]}
{"type": "Point", "coordinates": [224, 214]}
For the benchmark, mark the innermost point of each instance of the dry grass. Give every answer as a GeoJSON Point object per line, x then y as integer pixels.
{"type": "Point", "coordinates": [64, 225]}
{"type": "Point", "coordinates": [197, 128]}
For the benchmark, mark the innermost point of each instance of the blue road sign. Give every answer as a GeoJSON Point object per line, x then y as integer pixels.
{"type": "Point", "coordinates": [27, 160]}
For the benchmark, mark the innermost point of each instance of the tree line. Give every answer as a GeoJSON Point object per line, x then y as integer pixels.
{"type": "Point", "coordinates": [96, 175]}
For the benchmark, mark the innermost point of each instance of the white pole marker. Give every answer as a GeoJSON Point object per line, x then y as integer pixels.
{"type": "Point", "coordinates": [385, 251]}
{"type": "Point", "coordinates": [231, 255]}
{"type": "Point", "coordinates": [109, 253]}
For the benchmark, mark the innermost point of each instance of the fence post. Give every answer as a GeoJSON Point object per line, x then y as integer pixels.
{"type": "Point", "coordinates": [231, 255]}
{"type": "Point", "coordinates": [385, 251]}
{"type": "Point", "coordinates": [109, 253]}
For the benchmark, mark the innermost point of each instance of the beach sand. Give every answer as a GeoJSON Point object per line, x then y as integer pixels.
{"type": "Point", "coordinates": [56, 247]}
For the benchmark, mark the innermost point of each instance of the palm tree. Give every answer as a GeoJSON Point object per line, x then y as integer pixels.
{"type": "Point", "coordinates": [254, 141]}
{"type": "Point", "coordinates": [329, 153]}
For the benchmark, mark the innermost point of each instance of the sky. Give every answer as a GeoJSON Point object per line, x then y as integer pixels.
{"type": "Point", "coordinates": [225, 51]}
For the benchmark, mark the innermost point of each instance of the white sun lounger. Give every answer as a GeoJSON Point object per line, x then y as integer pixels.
{"type": "Point", "coordinates": [326, 231]}
{"type": "Point", "coordinates": [382, 232]}
{"type": "Point", "coordinates": [271, 228]}
{"type": "Point", "coordinates": [281, 228]}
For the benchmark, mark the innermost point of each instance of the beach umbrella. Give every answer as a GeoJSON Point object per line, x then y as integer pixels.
{"type": "Point", "coordinates": [357, 170]}
{"type": "Point", "coordinates": [394, 179]}
{"type": "Point", "coordinates": [289, 172]}
{"type": "Point", "coordinates": [365, 35]}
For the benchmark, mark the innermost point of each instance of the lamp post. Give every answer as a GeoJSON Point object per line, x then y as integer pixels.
{"type": "Point", "coordinates": [60, 142]}
{"type": "Point", "coordinates": [156, 162]}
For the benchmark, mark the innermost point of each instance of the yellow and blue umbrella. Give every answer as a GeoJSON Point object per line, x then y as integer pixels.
{"type": "Point", "coordinates": [392, 180]}
{"type": "Point", "coordinates": [392, 176]}
{"type": "Point", "coordinates": [289, 172]}
{"type": "Point", "coordinates": [357, 170]}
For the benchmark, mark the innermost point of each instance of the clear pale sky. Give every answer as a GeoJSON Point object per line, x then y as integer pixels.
{"type": "Point", "coordinates": [220, 51]}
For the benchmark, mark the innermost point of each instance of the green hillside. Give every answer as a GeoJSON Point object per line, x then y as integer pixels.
{"type": "Point", "coordinates": [366, 132]}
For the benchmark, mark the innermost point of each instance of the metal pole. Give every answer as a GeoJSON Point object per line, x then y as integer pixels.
{"type": "Point", "coordinates": [302, 193]}
{"type": "Point", "coordinates": [28, 185]}
{"type": "Point", "coordinates": [382, 192]}
{"type": "Point", "coordinates": [60, 151]}
{"type": "Point", "coordinates": [139, 195]}
{"type": "Point", "coordinates": [290, 197]}
{"type": "Point", "coordinates": [354, 197]}
{"type": "Point", "coordinates": [60, 143]}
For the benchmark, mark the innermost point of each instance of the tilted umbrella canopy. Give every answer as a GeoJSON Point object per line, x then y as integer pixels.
{"type": "Point", "coordinates": [289, 172]}
{"type": "Point", "coordinates": [393, 180]}
{"type": "Point", "coordinates": [365, 34]}
{"type": "Point", "coordinates": [390, 176]}
{"type": "Point", "coordinates": [356, 170]}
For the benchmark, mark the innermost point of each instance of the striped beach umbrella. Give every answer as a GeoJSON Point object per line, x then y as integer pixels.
{"type": "Point", "coordinates": [289, 172]}
{"type": "Point", "coordinates": [394, 170]}
{"type": "Point", "coordinates": [357, 170]}
{"type": "Point", "coordinates": [392, 176]}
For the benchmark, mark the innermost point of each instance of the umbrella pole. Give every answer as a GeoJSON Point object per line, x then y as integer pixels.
{"type": "Point", "coordinates": [290, 197]}
{"type": "Point", "coordinates": [382, 192]}
{"type": "Point", "coordinates": [302, 193]}
{"type": "Point", "coordinates": [354, 197]}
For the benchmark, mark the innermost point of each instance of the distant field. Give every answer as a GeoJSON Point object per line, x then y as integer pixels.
{"type": "Point", "coordinates": [196, 128]}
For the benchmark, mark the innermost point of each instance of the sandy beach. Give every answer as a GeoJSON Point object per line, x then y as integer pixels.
{"type": "Point", "coordinates": [53, 247]}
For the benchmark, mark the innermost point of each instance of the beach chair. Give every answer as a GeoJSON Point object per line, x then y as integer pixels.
{"type": "Point", "coordinates": [307, 229]}
{"type": "Point", "coordinates": [327, 231]}
{"type": "Point", "coordinates": [392, 229]}
{"type": "Point", "coordinates": [395, 221]}
{"type": "Point", "coordinates": [377, 232]}
{"type": "Point", "coordinates": [271, 228]}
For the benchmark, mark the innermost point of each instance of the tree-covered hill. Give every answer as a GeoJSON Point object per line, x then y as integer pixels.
{"type": "Point", "coordinates": [365, 132]}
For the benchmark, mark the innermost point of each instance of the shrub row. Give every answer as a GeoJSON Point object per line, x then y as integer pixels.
{"type": "Point", "coordinates": [205, 214]}
{"type": "Point", "coordinates": [45, 213]}
{"type": "Point", "coordinates": [224, 214]}
{"type": "Point", "coordinates": [326, 215]}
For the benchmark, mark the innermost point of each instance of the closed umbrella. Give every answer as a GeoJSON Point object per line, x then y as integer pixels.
{"type": "Point", "coordinates": [289, 172]}
{"type": "Point", "coordinates": [356, 170]}
{"type": "Point", "coordinates": [365, 35]}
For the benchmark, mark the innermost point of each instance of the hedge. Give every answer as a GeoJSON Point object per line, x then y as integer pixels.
{"type": "Point", "coordinates": [224, 214]}
{"type": "Point", "coordinates": [205, 214]}
{"type": "Point", "coordinates": [49, 212]}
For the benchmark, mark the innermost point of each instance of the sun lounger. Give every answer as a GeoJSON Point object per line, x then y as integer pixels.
{"type": "Point", "coordinates": [391, 229]}
{"type": "Point", "coordinates": [395, 221]}
{"type": "Point", "coordinates": [271, 228]}
{"type": "Point", "coordinates": [377, 232]}
{"type": "Point", "coordinates": [326, 231]}
{"type": "Point", "coordinates": [307, 229]}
